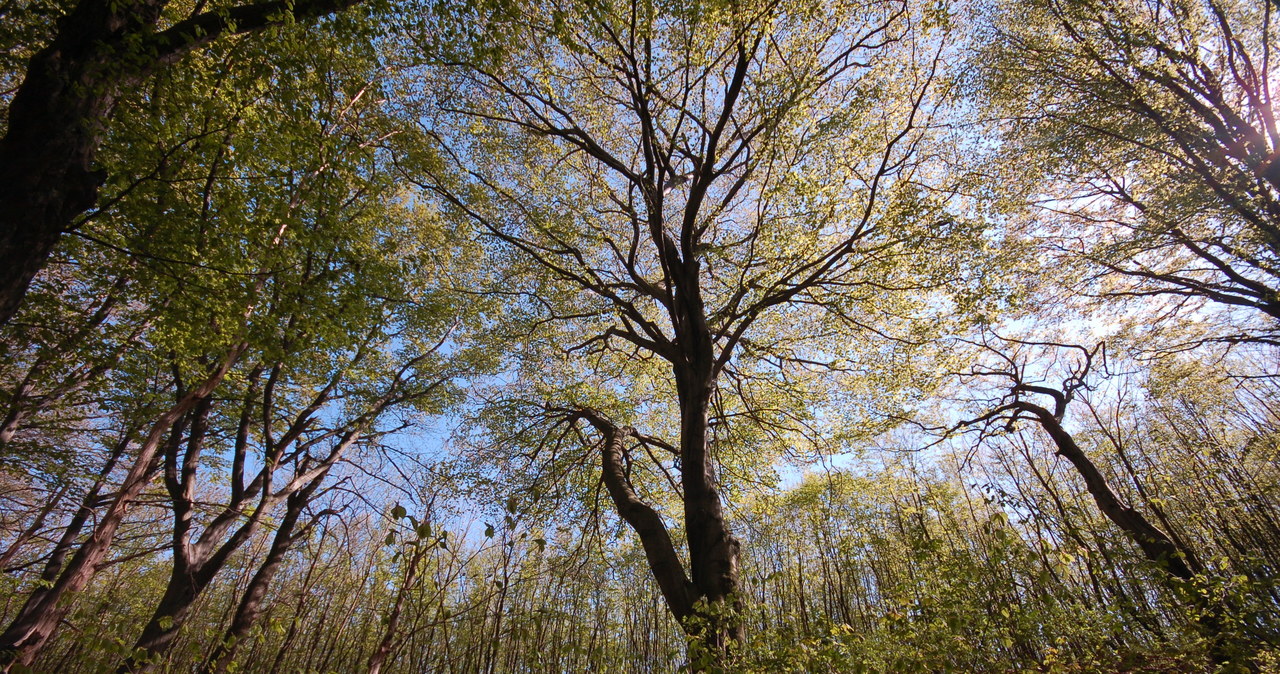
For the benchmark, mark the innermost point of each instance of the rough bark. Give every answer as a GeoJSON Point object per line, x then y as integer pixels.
{"type": "Point", "coordinates": [58, 115]}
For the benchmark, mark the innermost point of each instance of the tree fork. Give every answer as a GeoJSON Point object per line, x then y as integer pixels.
{"type": "Point", "coordinates": [30, 631]}
{"type": "Point", "coordinates": [706, 611]}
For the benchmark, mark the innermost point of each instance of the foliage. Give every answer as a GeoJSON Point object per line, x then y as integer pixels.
{"type": "Point", "coordinates": [658, 335]}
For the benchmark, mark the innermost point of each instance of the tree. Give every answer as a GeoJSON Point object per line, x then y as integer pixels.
{"type": "Point", "coordinates": [294, 460]}
{"type": "Point", "coordinates": [1178, 563]}
{"type": "Point", "coordinates": [40, 615]}
{"type": "Point", "coordinates": [682, 189]}
{"type": "Point", "coordinates": [1018, 404]}
{"type": "Point", "coordinates": [1144, 136]}
{"type": "Point", "coordinates": [709, 259]}
{"type": "Point", "coordinates": [341, 275]}
{"type": "Point", "coordinates": [292, 528]}
{"type": "Point", "coordinates": [58, 115]}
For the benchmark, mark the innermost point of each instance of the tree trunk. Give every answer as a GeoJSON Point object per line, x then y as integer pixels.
{"type": "Point", "coordinates": [185, 585]}
{"type": "Point", "coordinates": [36, 622]}
{"type": "Point", "coordinates": [44, 609]}
{"type": "Point", "coordinates": [1156, 545]}
{"type": "Point", "coordinates": [660, 552]}
{"type": "Point", "coordinates": [55, 126]}
{"type": "Point", "coordinates": [713, 550]}
{"type": "Point", "coordinates": [250, 607]}
{"type": "Point", "coordinates": [388, 640]}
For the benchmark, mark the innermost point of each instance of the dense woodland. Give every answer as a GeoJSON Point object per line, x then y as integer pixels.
{"type": "Point", "coordinates": [639, 336]}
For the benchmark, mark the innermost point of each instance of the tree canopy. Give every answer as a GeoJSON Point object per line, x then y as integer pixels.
{"type": "Point", "coordinates": [643, 335]}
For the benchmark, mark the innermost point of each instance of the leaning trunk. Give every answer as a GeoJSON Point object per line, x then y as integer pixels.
{"type": "Point", "coordinates": [44, 609]}
{"type": "Point", "coordinates": [58, 114]}
{"type": "Point", "coordinates": [250, 607]}
{"type": "Point", "coordinates": [660, 552]}
{"type": "Point", "coordinates": [185, 585]}
{"type": "Point", "coordinates": [1157, 546]}
{"type": "Point", "coordinates": [55, 125]}
{"type": "Point", "coordinates": [36, 622]}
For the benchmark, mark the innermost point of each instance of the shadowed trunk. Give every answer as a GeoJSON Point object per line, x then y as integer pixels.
{"type": "Point", "coordinates": [1156, 545]}
{"type": "Point", "coordinates": [386, 644]}
{"type": "Point", "coordinates": [250, 608]}
{"type": "Point", "coordinates": [171, 612]}
{"type": "Point", "coordinates": [707, 610]}
{"type": "Point", "coordinates": [665, 564]}
{"type": "Point", "coordinates": [713, 550]}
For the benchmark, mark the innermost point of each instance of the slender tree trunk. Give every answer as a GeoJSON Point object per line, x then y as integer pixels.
{"type": "Point", "coordinates": [713, 551]}
{"type": "Point", "coordinates": [250, 607]}
{"type": "Point", "coordinates": [88, 504]}
{"type": "Point", "coordinates": [1158, 547]}
{"type": "Point", "coordinates": [660, 552]}
{"type": "Point", "coordinates": [31, 629]}
{"type": "Point", "coordinates": [385, 645]}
